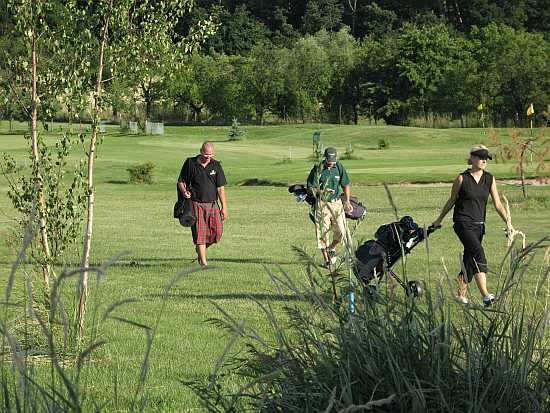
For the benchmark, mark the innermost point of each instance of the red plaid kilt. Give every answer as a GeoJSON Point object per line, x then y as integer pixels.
{"type": "Point", "coordinates": [209, 226]}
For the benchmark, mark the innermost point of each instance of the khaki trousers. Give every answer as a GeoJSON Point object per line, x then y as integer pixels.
{"type": "Point", "coordinates": [329, 215]}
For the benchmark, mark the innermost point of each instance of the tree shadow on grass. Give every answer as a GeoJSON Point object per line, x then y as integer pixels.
{"type": "Point", "coordinates": [231, 296]}
{"type": "Point", "coordinates": [252, 261]}
{"type": "Point", "coordinates": [162, 262]}
{"type": "Point", "coordinates": [14, 132]}
{"type": "Point", "coordinates": [152, 262]}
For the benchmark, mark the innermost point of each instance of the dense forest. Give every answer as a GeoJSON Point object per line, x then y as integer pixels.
{"type": "Point", "coordinates": [344, 60]}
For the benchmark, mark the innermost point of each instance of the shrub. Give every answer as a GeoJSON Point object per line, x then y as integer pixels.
{"type": "Point", "coordinates": [392, 354]}
{"type": "Point", "coordinates": [124, 126]}
{"type": "Point", "coordinates": [64, 188]}
{"type": "Point", "coordinates": [141, 173]}
{"type": "Point", "coordinates": [383, 144]}
{"type": "Point", "coordinates": [349, 154]}
{"type": "Point", "coordinates": [141, 122]}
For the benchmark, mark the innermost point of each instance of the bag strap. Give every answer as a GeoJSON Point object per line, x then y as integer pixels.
{"type": "Point", "coordinates": [187, 179]}
{"type": "Point", "coordinates": [340, 168]}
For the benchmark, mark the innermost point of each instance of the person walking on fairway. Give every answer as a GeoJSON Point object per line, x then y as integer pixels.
{"type": "Point", "coordinates": [327, 181]}
{"type": "Point", "coordinates": [469, 196]}
{"type": "Point", "coordinates": [203, 180]}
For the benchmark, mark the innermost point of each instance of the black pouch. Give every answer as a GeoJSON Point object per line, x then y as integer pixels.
{"type": "Point", "coordinates": [183, 210]}
{"type": "Point", "coordinates": [359, 211]}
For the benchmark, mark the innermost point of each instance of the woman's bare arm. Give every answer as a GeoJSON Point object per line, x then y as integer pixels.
{"type": "Point", "coordinates": [496, 201]}
{"type": "Point", "coordinates": [450, 202]}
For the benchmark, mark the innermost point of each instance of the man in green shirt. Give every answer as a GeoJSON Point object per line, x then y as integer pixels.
{"type": "Point", "coordinates": [327, 181]}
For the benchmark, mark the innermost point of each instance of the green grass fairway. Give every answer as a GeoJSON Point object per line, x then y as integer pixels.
{"type": "Point", "coordinates": [264, 223]}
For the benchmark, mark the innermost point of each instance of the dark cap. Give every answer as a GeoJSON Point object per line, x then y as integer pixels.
{"type": "Point", "coordinates": [481, 151]}
{"type": "Point", "coordinates": [331, 154]}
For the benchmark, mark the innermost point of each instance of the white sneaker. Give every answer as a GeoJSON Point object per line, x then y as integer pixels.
{"type": "Point", "coordinates": [462, 300]}
{"type": "Point", "coordinates": [488, 300]}
{"type": "Point", "coordinates": [332, 255]}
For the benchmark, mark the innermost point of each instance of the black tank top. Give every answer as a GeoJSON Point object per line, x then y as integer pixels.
{"type": "Point", "coordinates": [471, 204]}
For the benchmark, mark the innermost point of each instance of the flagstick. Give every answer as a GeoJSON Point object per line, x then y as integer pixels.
{"type": "Point", "coordinates": [531, 126]}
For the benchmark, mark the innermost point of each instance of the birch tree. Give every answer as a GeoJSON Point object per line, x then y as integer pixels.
{"type": "Point", "coordinates": [31, 37]}
{"type": "Point", "coordinates": [129, 37]}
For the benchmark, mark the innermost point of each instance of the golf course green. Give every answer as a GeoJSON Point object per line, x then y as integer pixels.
{"type": "Point", "coordinates": [264, 223]}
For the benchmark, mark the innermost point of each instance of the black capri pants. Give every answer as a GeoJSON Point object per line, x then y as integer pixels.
{"type": "Point", "coordinates": [471, 236]}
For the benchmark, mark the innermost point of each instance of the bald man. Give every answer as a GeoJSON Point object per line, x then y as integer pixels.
{"type": "Point", "coordinates": [203, 180]}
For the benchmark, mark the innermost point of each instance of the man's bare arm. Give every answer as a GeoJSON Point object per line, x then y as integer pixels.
{"type": "Point", "coordinates": [223, 200]}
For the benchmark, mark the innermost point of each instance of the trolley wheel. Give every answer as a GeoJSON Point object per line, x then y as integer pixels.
{"type": "Point", "coordinates": [416, 288]}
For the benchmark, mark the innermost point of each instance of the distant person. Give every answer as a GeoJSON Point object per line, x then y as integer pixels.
{"type": "Point", "coordinates": [469, 196]}
{"type": "Point", "coordinates": [203, 180]}
{"type": "Point", "coordinates": [327, 181]}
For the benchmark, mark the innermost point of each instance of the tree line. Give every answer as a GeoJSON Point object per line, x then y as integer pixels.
{"type": "Point", "coordinates": [246, 22]}
{"type": "Point", "coordinates": [332, 76]}
{"type": "Point", "coordinates": [334, 61]}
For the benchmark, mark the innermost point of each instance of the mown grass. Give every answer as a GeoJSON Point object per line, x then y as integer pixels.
{"type": "Point", "coordinates": [264, 223]}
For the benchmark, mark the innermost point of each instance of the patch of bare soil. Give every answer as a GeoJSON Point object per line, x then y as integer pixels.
{"type": "Point", "coordinates": [541, 181]}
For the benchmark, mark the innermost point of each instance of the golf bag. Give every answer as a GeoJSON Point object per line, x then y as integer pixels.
{"type": "Point", "coordinates": [392, 241]}
{"type": "Point", "coordinates": [303, 195]}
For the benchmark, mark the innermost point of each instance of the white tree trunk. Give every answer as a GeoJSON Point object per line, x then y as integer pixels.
{"type": "Point", "coordinates": [46, 269]}
{"type": "Point", "coordinates": [87, 244]}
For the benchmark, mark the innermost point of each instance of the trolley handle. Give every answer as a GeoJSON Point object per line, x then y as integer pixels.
{"type": "Point", "coordinates": [432, 229]}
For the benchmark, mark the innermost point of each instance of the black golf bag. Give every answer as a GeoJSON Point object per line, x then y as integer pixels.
{"type": "Point", "coordinates": [303, 195]}
{"type": "Point", "coordinates": [377, 257]}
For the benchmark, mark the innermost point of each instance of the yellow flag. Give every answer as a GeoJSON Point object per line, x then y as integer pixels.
{"type": "Point", "coordinates": [480, 107]}
{"type": "Point", "coordinates": [530, 110]}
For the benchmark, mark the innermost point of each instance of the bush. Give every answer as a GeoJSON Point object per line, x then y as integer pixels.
{"type": "Point", "coordinates": [349, 154]}
{"type": "Point", "coordinates": [392, 354]}
{"type": "Point", "coordinates": [124, 127]}
{"type": "Point", "coordinates": [383, 144]}
{"type": "Point", "coordinates": [142, 173]}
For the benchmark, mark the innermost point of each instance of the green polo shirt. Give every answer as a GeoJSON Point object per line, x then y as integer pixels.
{"type": "Point", "coordinates": [334, 178]}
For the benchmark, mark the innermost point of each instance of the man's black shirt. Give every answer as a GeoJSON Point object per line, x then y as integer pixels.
{"type": "Point", "coordinates": [202, 182]}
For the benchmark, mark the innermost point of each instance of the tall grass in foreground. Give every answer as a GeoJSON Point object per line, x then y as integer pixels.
{"type": "Point", "coordinates": [394, 354]}
{"type": "Point", "coordinates": [43, 367]}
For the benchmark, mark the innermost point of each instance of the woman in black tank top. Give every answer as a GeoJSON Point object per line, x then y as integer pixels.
{"type": "Point", "coordinates": [469, 195]}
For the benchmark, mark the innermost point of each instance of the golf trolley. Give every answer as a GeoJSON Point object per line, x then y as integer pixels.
{"type": "Point", "coordinates": [377, 257]}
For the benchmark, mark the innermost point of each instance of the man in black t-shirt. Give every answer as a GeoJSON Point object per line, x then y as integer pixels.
{"type": "Point", "coordinates": [203, 180]}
